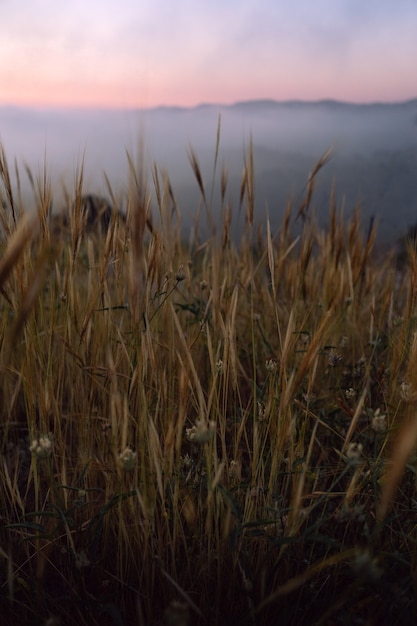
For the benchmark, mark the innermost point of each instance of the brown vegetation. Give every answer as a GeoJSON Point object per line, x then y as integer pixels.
{"type": "Point", "coordinates": [208, 432]}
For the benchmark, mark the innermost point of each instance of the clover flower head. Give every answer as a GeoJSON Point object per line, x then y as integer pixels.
{"type": "Point", "coordinates": [219, 366]}
{"type": "Point", "coordinates": [354, 451]}
{"type": "Point", "coordinates": [344, 341]}
{"type": "Point", "coordinates": [261, 411]}
{"type": "Point", "coordinates": [333, 358]}
{"type": "Point", "coordinates": [234, 469]}
{"type": "Point", "coordinates": [41, 447]}
{"type": "Point", "coordinates": [186, 460]}
{"type": "Point", "coordinates": [202, 432]}
{"type": "Point", "coordinates": [271, 364]}
{"type": "Point", "coordinates": [379, 422]}
{"type": "Point", "coordinates": [407, 393]}
{"type": "Point", "coordinates": [127, 459]}
{"type": "Point", "coordinates": [405, 390]}
{"type": "Point", "coordinates": [308, 398]}
{"type": "Point", "coordinates": [365, 564]}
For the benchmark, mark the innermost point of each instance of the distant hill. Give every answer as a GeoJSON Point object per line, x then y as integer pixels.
{"type": "Point", "coordinates": [329, 103]}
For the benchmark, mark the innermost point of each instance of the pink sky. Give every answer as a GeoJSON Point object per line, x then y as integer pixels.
{"type": "Point", "coordinates": [131, 54]}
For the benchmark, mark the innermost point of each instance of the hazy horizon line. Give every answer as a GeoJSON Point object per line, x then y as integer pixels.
{"type": "Point", "coordinates": [201, 105]}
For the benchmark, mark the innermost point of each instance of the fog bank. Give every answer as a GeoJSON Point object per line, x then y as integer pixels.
{"type": "Point", "coordinates": [374, 158]}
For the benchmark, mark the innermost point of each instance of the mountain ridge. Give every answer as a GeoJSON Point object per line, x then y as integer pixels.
{"type": "Point", "coordinates": [257, 103]}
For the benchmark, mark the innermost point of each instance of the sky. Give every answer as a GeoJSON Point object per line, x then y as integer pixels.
{"type": "Point", "coordinates": [146, 53]}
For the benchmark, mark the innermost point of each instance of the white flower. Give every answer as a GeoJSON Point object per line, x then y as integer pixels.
{"type": "Point", "coordinates": [127, 459]}
{"type": "Point", "coordinates": [344, 341]}
{"type": "Point", "coordinates": [219, 366]}
{"type": "Point", "coordinates": [234, 469]}
{"type": "Point", "coordinates": [308, 397]}
{"type": "Point", "coordinates": [202, 432]}
{"type": "Point", "coordinates": [407, 392]}
{"type": "Point", "coordinates": [187, 460]}
{"type": "Point", "coordinates": [379, 422]}
{"type": "Point", "coordinates": [365, 564]}
{"type": "Point", "coordinates": [261, 411]}
{"type": "Point", "coordinates": [354, 451]}
{"type": "Point", "coordinates": [271, 364]}
{"type": "Point", "coordinates": [42, 447]}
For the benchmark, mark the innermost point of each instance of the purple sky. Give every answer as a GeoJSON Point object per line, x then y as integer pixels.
{"type": "Point", "coordinates": [145, 53]}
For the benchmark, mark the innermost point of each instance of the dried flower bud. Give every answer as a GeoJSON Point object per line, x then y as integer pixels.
{"type": "Point", "coordinates": [180, 275]}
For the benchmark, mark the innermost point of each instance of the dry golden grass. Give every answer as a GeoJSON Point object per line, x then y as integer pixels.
{"type": "Point", "coordinates": [209, 432]}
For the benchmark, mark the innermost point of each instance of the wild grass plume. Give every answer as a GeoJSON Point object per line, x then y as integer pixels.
{"type": "Point", "coordinates": [204, 430]}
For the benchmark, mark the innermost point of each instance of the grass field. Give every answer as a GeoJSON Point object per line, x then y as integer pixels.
{"type": "Point", "coordinates": [204, 431]}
